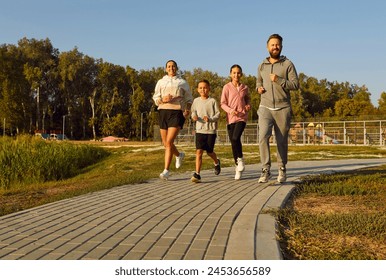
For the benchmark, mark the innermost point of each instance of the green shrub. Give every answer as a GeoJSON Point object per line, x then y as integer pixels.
{"type": "Point", "coordinates": [28, 159]}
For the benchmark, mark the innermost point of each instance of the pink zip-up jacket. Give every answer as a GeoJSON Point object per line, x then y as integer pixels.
{"type": "Point", "coordinates": [233, 99]}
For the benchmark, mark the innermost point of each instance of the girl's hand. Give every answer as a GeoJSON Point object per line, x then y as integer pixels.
{"type": "Point", "coordinates": [247, 108]}
{"type": "Point", "coordinates": [205, 118]}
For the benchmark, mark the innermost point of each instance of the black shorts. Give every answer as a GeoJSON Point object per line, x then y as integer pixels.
{"type": "Point", "coordinates": [171, 118]}
{"type": "Point", "coordinates": [205, 142]}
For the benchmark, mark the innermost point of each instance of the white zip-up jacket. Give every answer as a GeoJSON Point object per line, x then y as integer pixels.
{"type": "Point", "coordinates": [176, 87]}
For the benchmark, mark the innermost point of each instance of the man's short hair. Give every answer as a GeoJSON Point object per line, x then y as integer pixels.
{"type": "Point", "coordinates": [275, 36]}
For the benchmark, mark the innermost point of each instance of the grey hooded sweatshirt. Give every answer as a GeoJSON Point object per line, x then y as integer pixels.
{"type": "Point", "coordinates": [277, 94]}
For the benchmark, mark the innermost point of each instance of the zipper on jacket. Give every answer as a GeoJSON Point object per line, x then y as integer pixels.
{"type": "Point", "coordinates": [273, 93]}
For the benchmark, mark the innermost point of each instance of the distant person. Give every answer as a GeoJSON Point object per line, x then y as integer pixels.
{"type": "Point", "coordinates": [235, 101]}
{"type": "Point", "coordinates": [205, 114]}
{"type": "Point", "coordinates": [276, 77]}
{"type": "Point", "coordinates": [173, 97]}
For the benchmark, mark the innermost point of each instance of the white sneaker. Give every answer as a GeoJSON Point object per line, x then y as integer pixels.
{"type": "Point", "coordinates": [179, 159]}
{"type": "Point", "coordinates": [164, 175]}
{"type": "Point", "coordinates": [282, 177]}
{"type": "Point", "coordinates": [238, 173]}
{"type": "Point", "coordinates": [265, 176]}
{"type": "Point", "coordinates": [240, 164]}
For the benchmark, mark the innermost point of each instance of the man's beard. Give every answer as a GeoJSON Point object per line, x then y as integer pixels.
{"type": "Point", "coordinates": [275, 55]}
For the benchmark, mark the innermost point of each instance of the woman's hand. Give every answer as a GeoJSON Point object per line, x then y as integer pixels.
{"type": "Point", "coordinates": [167, 98]}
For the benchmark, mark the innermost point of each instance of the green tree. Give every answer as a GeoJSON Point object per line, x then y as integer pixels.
{"type": "Point", "coordinates": [77, 72]}
{"type": "Point", "coordinates": [40, 70]}
{"type": "Point", "coordinates": [15, 103]}
{"type": "Point", "coordinates": [114, 92]}
{"type": "Point", "coordinates": [116, 125]}
{"type": "Point", "coordinates": [382, 104]}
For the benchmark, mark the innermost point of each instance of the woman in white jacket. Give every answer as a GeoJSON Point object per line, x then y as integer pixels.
{"type": "Point", "coordinates": [173, 97]}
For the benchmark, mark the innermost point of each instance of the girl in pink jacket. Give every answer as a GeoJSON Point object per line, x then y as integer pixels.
{"type": "Point", "coordinates": [235, 102]}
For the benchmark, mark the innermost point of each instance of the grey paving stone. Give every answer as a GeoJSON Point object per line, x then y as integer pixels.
{"type": "Point", "coordinates": [218, 219]}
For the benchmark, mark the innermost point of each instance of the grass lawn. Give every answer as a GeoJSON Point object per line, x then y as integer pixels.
{"type": "Point", "coordinates": [337, 217]}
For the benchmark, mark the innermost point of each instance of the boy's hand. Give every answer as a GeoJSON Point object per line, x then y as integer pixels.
{"type": "Point", "coordinates": [186, 113]}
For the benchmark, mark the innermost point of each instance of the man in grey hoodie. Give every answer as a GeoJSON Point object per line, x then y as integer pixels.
{"type": "Point", "coordinates": [276, 77]}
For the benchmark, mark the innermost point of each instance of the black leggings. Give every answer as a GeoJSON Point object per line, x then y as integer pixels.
{"type": "Point", "coordinates": [235, 130]}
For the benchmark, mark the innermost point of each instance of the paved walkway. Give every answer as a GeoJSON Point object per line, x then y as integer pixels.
{"type": "Point", "coordinates": [218, 219]}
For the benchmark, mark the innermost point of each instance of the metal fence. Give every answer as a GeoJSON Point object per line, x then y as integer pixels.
{"type": "Point", "coordinates": [310, 133]}
{"type": "Point", "coordinates": [344, 132]}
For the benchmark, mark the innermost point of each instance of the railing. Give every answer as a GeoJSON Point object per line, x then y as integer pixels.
{"type": "Point", "coordinates": [312, 133]}
{"type": "Point", "coordinates": [339, 132]}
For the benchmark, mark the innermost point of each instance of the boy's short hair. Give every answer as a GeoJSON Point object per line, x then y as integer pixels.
{"type": "Point", "coordinates": [204, 81]}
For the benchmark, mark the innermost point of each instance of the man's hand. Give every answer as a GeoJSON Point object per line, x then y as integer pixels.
{"type": "Point", "coordinates": [273, 77]}
{"type": "Point", "coordinates": [261, 90]}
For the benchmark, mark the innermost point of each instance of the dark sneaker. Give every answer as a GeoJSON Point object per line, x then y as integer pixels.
{"type": "Point", "coordinates": [265, 176]}
{"type": "Point", "coordinates": [196, 178]}
{"type": "Point", "coordinates": [217, 168]}
{"type": "Point", "coordinates": [282, 177]}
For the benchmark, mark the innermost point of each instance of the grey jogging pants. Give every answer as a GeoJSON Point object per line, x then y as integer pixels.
{"type": "Point", "coordinates": [280, 121]}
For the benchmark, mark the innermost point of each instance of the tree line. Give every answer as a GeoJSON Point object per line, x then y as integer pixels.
{"type": "Point", "coordinates": [42, 89]}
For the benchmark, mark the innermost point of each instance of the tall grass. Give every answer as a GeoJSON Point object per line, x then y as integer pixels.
{"type": "Point", "coordinates": [26, 159]}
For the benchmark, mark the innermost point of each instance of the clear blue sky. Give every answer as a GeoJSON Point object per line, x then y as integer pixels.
{"type": "Point", "coordinates": [331, 39]}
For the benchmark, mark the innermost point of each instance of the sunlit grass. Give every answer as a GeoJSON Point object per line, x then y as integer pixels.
{"type": "Point", "coordinates": [341, 216]}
